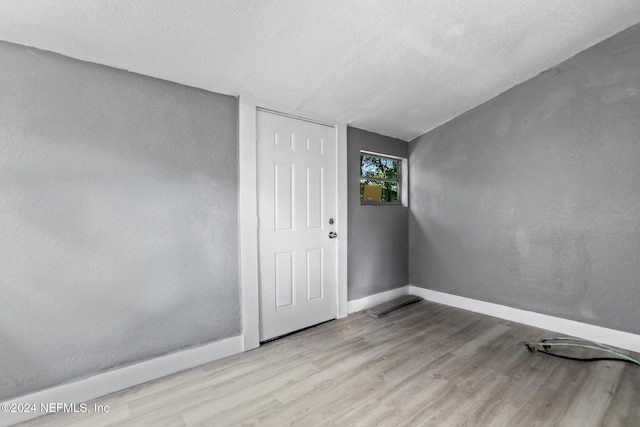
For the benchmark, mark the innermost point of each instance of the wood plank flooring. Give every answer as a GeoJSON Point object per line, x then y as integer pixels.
{"type": "Point", "coordinates": [423, 365]}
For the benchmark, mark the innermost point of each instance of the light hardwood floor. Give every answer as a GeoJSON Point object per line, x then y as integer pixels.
{"type": "Point", "coordinates": [425, 364]}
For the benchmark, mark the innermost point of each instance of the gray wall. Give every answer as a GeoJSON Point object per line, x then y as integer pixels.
{"type": "Point", "coordinates": [118, 219]}
{"type": "Point", "coordinates": [532, 200]}
{"type": "Point", "coordinates": [378, 235]}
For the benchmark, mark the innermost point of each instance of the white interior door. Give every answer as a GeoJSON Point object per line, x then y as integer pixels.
{"type": "Point", "coordinates": [296, 208]}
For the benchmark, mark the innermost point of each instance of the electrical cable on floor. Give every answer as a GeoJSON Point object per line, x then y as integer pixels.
{"type": "Point", "coordinates": [545, 344]}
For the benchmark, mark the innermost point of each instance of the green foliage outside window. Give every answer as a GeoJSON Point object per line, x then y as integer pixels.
{"type": "Point", "coordinates": [382, 172]}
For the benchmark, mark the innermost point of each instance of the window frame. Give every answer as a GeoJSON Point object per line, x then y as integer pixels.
{"type": "Point", "coordinates": [400, 180]}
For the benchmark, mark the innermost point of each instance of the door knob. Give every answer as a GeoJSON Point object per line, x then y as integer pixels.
{"type": "Point", "coordinates": [333, 234]}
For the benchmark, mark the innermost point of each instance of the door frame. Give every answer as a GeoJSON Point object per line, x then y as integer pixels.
{"type": "Point", "coordinates": [248, 216]}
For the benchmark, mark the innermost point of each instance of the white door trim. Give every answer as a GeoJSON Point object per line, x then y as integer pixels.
{"type": "Point", "coordinates": [248, 224]}
{"type": "Point", "coordinates": [248, 219]}
{"type": "Point", "coordinates": [342, 185]}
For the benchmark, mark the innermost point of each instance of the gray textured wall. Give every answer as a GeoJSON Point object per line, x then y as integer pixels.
{"type": "Point", "coordinates": [532, 200]}
{"type": "Point", "coordinates": [378, 235]}
{"type": "Point", "coordinates": [118, 219]}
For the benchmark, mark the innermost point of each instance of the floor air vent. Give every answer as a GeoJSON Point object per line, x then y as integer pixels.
{"type": "Point", "coordinates": [380, 310]}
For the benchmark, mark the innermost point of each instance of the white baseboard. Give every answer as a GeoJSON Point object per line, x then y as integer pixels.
{"type": "Point", "coordinates": [613, 337]}
{"type": "Point", "coordinates": [371, 300]}
{"type": "Point", "coordinates": [119, 379]}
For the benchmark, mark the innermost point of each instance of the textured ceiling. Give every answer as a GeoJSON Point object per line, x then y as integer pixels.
{"type": "Point", "coordinates": [398, 68]}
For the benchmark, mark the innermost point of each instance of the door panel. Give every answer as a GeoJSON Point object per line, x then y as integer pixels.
{"type": "Point", "coordinates": [314, 274]}
{"type": "Point", "coordinates": [296, 183]}
{"type": "Point", "coordinates": [314, 198]}
{"type": "Point", "coordinates": [284, 198]}
{"type": "Point", "coordinates": [284, 280]}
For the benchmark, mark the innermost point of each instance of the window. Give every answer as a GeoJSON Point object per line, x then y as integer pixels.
{"type": "Point", "coordinates": [380, 179]}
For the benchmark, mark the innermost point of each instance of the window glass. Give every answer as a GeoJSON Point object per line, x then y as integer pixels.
{"type": "Point", "coordinates": [379, 179]}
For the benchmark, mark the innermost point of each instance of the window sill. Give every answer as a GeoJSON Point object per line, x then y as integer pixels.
{"type": "Point", "coordinates": [379, 204]}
